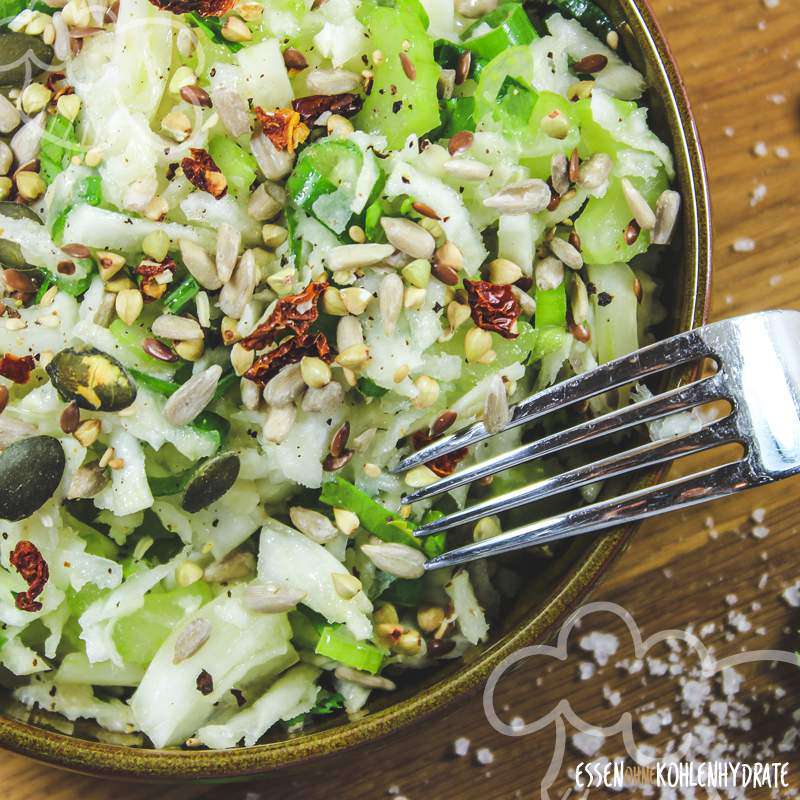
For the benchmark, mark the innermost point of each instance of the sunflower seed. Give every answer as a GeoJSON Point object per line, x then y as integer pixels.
{"type": "Point", "coordinates": [238, 291]}
{"type": "Point", "coordinates": [279, 422]}
{"type": "Point", "coordinates": [594, 172]}
{"type": "Point", "coordinates": [250, 392]}
{"type": "Point", "coordinates": [87, 481]}
{"type": "Point", "coordinates": [364, 679]}
{"type": "Point", "coordinates": [182, 329]}
{"type": "Point", "coordinates": [348, 333]}
{"type": "Point", "coordinates": [271, 598]}
{"type": "Point", "coordinates": [193, 396]}
{"type": "Point", "coordinates": [200, 264]}
{"type": "Point", "coordinates": [527, 197]}
{"type": "Point", "coordinates": [408, 237]}
{"type": "Point", "coordinates": [639, 207]}
{"type": "Point", "coordinates": [579, 300]}
{"type": "Point", "coordinates": [326, 398]}
{"type": "Point", "coordinates": [191, 639]}
{"type": "Point", "coordinates": [526, 302]}
{"type": "Point", "coordinates": [332, 81]}
{"type": "Point", "coordinates": [467, 169]}
{"type": "Point", "coordinates": [390, 300]}
{"type": "Point", "coordinates": [399, 560]}
{"type": "Point", "coordinates": [25, 142]}
{"type": "Point", "coordinates": [285, 387]}
{"type": "Point", "coordinates": [559, 174]}
{"type": "Point", "coordinates": [265, 203]}
{"type": "Point", "coordinates": [667, 209]}
{"type": "Point", "coordinates": [275, 164]}
{"type": "Point", "coordinates": [9, 116]}
{"type": "Point", "coordinates": [229, 242]}
{"type": "Point", "coordinates": [238, 564]}
{"type": "Point", "coordinates": [312, 524]}
{"type": "Point", "coordinates": [232, 110]}
{"type": "Point", "coordinates": [12, 430]}
{"type": "Point", "coordinates": [356, 256]}
{"type": "Point", "coordinates": [566, 253]}
{"type": "Point", "coordinates": [549, 273]}
{"type": "Point", "coordinates": [496, 413]}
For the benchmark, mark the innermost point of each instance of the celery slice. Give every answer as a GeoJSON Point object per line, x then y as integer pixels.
{"type": "Point", "coordinates": [551, 307]}
{"type": "Point", "coordinates": [339, 644]}
{"type": "Point", "coordinates": [237, 165]}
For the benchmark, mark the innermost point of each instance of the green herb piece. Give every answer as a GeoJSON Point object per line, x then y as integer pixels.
{"type": "Point", "coordinates": [338, 644]}
{"type": "Point", "coordinates": [369, 388]}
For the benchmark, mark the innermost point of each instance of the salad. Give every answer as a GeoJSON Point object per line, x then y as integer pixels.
{"type": "Point", "coordinates": [253, 253]}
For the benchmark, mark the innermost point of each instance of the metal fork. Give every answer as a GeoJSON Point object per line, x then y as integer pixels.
{"type": "Point", "coordinates": [758, 359]}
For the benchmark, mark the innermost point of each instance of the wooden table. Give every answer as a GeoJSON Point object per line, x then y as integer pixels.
{"type": "Point", "coordinates": [741, 62]}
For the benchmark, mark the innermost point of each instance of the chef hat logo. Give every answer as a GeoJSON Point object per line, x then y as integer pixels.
{"type": "Point", "coordinates": [563, 713]}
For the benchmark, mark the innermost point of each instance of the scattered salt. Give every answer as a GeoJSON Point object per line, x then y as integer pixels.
{"type": "Point", "coordinates": [758, 193]}
{"type": "Point", "coordinates": [744, 245]}
{"type": "Point", "coordinates": [762, 25]}
{"type": "Point", "coordinates": [585, 670]}
{"type": "Point", "coordinates": [777, 99]}
{"type": "Point", "coordinates": [651, 723]}
{"type": "Point", "coordinates": [731, 599]}
{"type": "Point", "coordinates": [762, 581]}
{"type": "Point", "coordinates": [613, 697]}
{"type": "Point", "coordinates": [588, 742]}
{"type": "Point", "coordinates": [394, 789]}
{"type": "Point", "coordinates": [791, 594]}
{"type": "Point", "coordinates": [758, 515]}
{"type": "Point", "coordinates": [517, 724]}
{"type": "Point", "coordinates": [771, 3]}
{"type": "Point", "coordinates": [695, 693]}
{"type": "Point", "coordinates": [731, 681]}
{"type": "Point", "coordinates": [601, 645]}
{"type": "Point", "coordinates": [484, 756]}
{"type": "Point", "coordinates": [760, 531]}
{"type": "Point", "coordinates": [739, 622]}
{"type": "Point", "coordinates": [461, 746]}
{"type": "Point", "coordinates": [729, 132]}
{"type": "Point", "coordinates": [760, 149]}
{"type": "Point", "coordinates": [655, 666]}
{"type": "Point", "coordinates": [782, 152]}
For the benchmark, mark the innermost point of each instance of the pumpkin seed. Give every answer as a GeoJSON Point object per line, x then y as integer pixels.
{"type": "Point", "coordinates": [211, 481]}
{"type": "Point", "coordinates": [94, 380]}
{"type": "Point", "coordinates": [30, 471]}
{"type": "Point", "coordinates": [11, 252]}
{"type": "Point", "coordinates": [20, 55]}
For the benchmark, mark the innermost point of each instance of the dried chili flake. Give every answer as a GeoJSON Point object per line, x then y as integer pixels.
{"type": "Point", "coordinates": [494, 307]}
{"type": "Point", "coordinates": [444, 465]}
{"type": "Point", "coordinates": [30, 564]}
{"type": "Point", "coordinates": [309, 108]}
{"type": "Point", "coordinates": [17, 368]}
{"type": "Point", "coordinates": [205, 8]}
{"type": "Point", "coordinates": [202, 171]}
{"type": "Point", "coordinates": [294, 313]}
{"type": "Point", "coordinates": [204, 682]}
{"type": "Point", "coordinates": [291, 351]}
{"type": "Point", "coordinates": [283, 127]}
{"type": "Point", "coordinates": [149, 271]}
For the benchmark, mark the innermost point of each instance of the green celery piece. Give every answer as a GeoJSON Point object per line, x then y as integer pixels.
{"type": "Point", "coordinates": [511, 27]}
{"type": "Point", "coordinates": [447, 55]}
{"type": "Point", "coordinates": [138, 636]}
{"type": "Point", "coordinates": [537, 147]}
{"type": "Point", "coordinates": [327, 703]}
{"type": "Point", "coordinates": [158, 385]}
{"type": "Point", "coordinates": [372, 222]}
{"type": "Point", "coordinates": [90, 190]}
{"type": "Point", "coordinates": [434, 545]}
{"type": "Point", "coordinates": [78, 602]}
{"type": "Point", "coordinates": [551, 307]}
{"type": "Point", "coordinates": [590, 15]}
{"type": "Point", "coordinates": [97, 544]}
{"type": "Point", "coordinates": [398, 106]}
{"type": "Point", "coordinates": [237, 165]}
{"type": "Point", "coordinates": [182, 295]}
{"type": "Point", "coordinates": [369, 388]}
{"type": "Point", "coordinates": [458, 114]}
{"type": "Point", "coordinates": [47, 282]}
{"type": "Point", "coordinates": [406, 593]}
{"type": "Point", "coordinates": [10, 8]}
{"type": "Point", "coordinates": [337, 643]}
{"type": "Point", "coordinates": [59, 144]}
{"type": "Point", "coordinates": [548, 340]}
{"type": "Point", "coordinates": [603, 221]}
{"type": "Point", "coordinates": [307, 626]}
{"type": "Point", "coordinates": [516, 100]}
{"type": "Point", "coordinates": [131, 337]}
{"type": "Point", "coordinates": [381, 522]}
{"type": "Point", "coordinates": [594, 137]}
{"type": "Point", "coordinates": [214, 424]}
{"type": "Point", "coordinates": [516, 61]}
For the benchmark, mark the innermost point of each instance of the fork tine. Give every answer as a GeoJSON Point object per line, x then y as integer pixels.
{"type": "Point", "coordinates": [647, 455]}
{"type": "Point", "coordinates": [709, 484]}
{"type": "Point", "coordinates": [681, 349]}
{"type": "Point", "coordinates": [661, 405]}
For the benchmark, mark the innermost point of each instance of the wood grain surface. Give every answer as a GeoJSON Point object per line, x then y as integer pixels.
{"type": "Point", "coordinates": [741, 64]}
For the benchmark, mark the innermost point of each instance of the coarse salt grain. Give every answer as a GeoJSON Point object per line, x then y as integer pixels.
{"type": "Point", "coordinates": [739, 622]}
{"type": "Point", "coordinates": [771, 3]}
{"type": "Point", "coordinates": [461, 746]}
{"type": "Point", "coordinates": [757, 194]}
{"type": "Point", "coordinates": [791, 594]}
{"type": "Point", "coordinates": [782, 152]}
{"type": "Point", "coordinates": [655, 666]}
{"type": "Point", "coordinates": [651, 723]}
{"type": "Point", "coordinates": [758, 515]}
{"type": "Point", "coordinates": [585, 670]}
{"type": "Point", "coordinates": [744, 245]}
{"type": "Point", "coordinates": [760, 531]}
{"type": "Point", "coordinates": [762, 25]}
{"type": "Point", "coordinates": [588, 742]}
{"type": "Point", "coordinates": [517, 724]}
{"type": "Point", "coordinates": [484, 756]}
{"type": "Point", "coordinates": [760, 149]}
{"type": "Point", "coordinates": [729, 132]}
{"type": "Point", "coordinates": [613, 697]}
{"type": "Point", "coordinates": [707, 629]}
{"type": "Point", "coordinates": [777, 99]}
{"type": "Point", "coordinates": [601, 645]}
{"type": "Point", "coordinates": [762, 581]}
{"type": "Point", "coordinates": [731, 599]}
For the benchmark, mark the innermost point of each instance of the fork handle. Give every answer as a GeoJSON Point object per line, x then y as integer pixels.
{"type": "Point", "coordinates": [699, 487]}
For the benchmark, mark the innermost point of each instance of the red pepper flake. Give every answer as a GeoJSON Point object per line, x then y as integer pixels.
{"type": "Point", "coordinates": [294, 313]}
{"type": "Point", "coordinates": [494, 307]}
{"type": "Point", "coordinates": [205, 8]}
{"type": "Point", "coordinates": [283, 127]}
{"type": "Point", "coordinates": [202, 171]}
{"type": "Point", "coordinates": [30, 564]}
{"type": "Point", "coordinates": [17, 369]}
{"type": "Point", "coordinates": [444, 465]}
{"type": "Point", "coordinates": [289, 352]}
{"type": "Point", "coordinates": [309, 108]}
{"type": "Point", "coordinates": [204, 682]}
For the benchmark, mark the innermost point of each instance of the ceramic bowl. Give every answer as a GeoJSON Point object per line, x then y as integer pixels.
{"type": "Point", "coordinates": [560, 585]}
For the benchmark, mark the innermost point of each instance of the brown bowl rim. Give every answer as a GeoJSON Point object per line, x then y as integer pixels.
{"type": "Point", "coordinates": [99, 759]}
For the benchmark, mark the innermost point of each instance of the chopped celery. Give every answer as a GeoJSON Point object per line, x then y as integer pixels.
{"type": "Point", "coordinates": [138, 636]}
{"type": "Point", "coordinates": [511, 26]}
{"type": "Point", "coordinates": [538, 148]}
{"type": "Point", "coordinates": [307, 625]}
{"type": "Point", "coordinates": [433, 545]}
{"type": "Point", "coordinates": [515, 102]}
{"type": "Point", "coordinates": [47, 282]}
{"type": "Point", "coordinates": [551, 307]}
{"type": "Point", "coordinates": [157, 385]}
{"type": "Point", "coordinates": [237, 165]}
{"type": "Point", "coordinates": [339, 644]}
{"type": "Point", "coordinates": [372, 222]}
{"type": "Point", "coordinates": [181, 295]}
{"type": "Point", "coordinates": [59, 144]}
{"type": "Point", "coordinates": [90, 190]}
{"type": "Point", "coordinates": [447, 55]}
{"type": "Point", "coordinates": [406, 593]}
{"type": "Point", "coordinates": [615, 329]}
{"type": "Point", "coordinates": [458, 114]}
{"type": "Point", "coordinates": [517, 62]}
{"type": "Point", "coordinates": [378, 520]}
{"type": "Point", "coordinates": [398, 105]}
{"type": "Point", "coordinates": [214, 424]}
{"type": "Point", "coordinates": [131, 337]}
